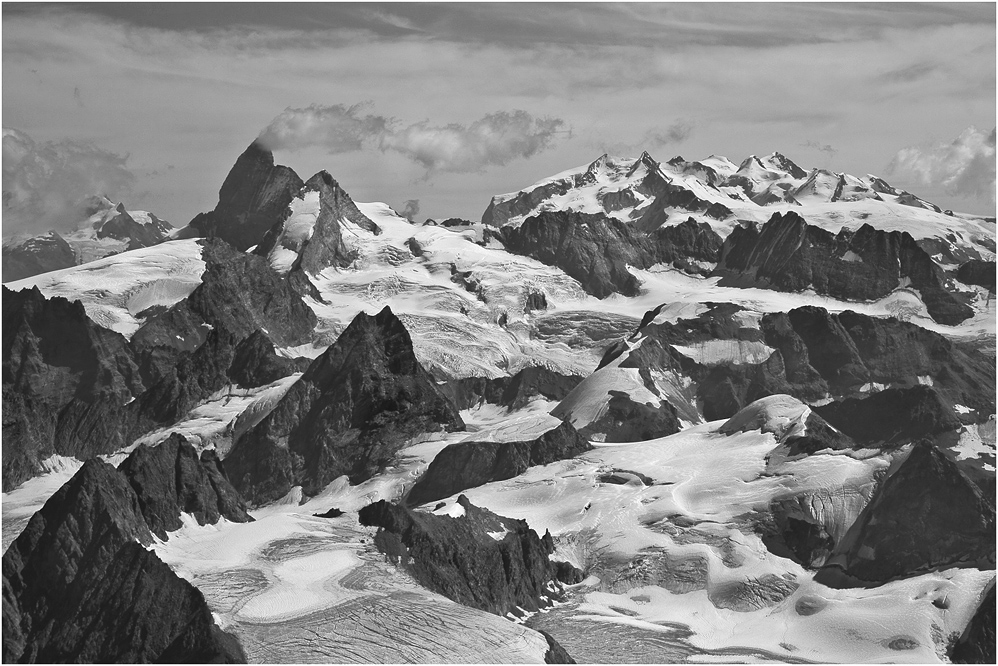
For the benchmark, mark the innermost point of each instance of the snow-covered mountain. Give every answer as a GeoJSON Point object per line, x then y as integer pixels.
{"type": "Point", "coordinates": [107, 229]}
{"type": "Point", "coordinates": [606, 430]}
{"type": "Point", "coordinates": [650, 194]}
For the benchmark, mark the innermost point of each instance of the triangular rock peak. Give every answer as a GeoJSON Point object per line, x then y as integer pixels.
{"type": "Point", "coordinates": [354, 407]}
{"type": "Point", "coordinates": [311, 234]}
{"type": "Point", "coordinates": [79, 584]}
{"type": "Point", "coordinates": [926, 516]}
{"type": "Point", "coordinates": [254, 196]}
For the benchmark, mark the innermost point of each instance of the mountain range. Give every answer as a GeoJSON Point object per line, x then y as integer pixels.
{"type": "Point", "coordinates": [640, 411]}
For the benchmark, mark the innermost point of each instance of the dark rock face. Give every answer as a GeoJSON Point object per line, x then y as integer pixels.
{"type": "Point", "coordinates": [849, 350]}
{"type": "Point", "coordinates": [815, 355]}
{"type": "Point", "coordinates": [254, 197]}
{"type": "Point", "coordinates": [238, 293]}
{"type": "Point", "coordinates": [628, 421]}
{"type": "Point", "coordinates": [471, 464]}
{"type": "Point", "coordinates": [354, 407]}
{"type": "Point", "coordinates": [893, 416]}
{"type": "Point", "coordinates": [926, 516]}
{"type": "Point", "coordinates": [596, 249]}
{"type": "Point", "coordinates": [790, 255]}
{"type": "Point", "coordinates": [325, 247]}
{"type": "Point", "coordinates": [555, 654]}
{"type": "Point", "coordinates": [123, 227]}
{"type": "Point", "coordinates": [255, 363]}
{"type": "Point", "coordinates": [40, 254]}
{"type": "Point", "coordinates": [171, 478]}
{"type": "Point", "coordinates": [79, 585]}
{"type": "Point", "coordinates": [977, 643]}
{"type": "Point", "coordinates": [513, 392]}
{"type": "Point", "coordinates": [457, 557]}
{"type": "Point", "coordinates": [981, 273]}
{"type": "Point", "coordinates": [65, 383]}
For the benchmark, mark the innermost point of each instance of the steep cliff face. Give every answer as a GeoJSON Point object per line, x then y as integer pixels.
{"type": "Point", "coordinates": [596, 249]}
{"type": "Point", "coordinates": [712, 365]}
{"type": "Point", "coordinates": [238, 293]}
{"type": "Point", "coordinates": [470, 464]}
{"type": "Point", "coordinates": [65, 383]}
{"type": "Point", "coordinates": [475, 557]}
{"type": "Point", "coordinates": [512, 392]}
{"type": "Point", "coordinates": [254, 197]}
{"type": "Point", "coordinates": [975, 271]}
{"type": "Point", "coordinates": [925, 516]}
{"type": "Point", "coordinates": [79, 585]}
{"type": "Point", "coordinates": [310, 237]}
{"type": "Point", "coordinates": [977, 643]}
{"type": "Point", "coordinates": [892, 416]}
{"type": "Point", "coordinates": [170, 479]}
{"type": "Point", "coordinates": [354, 407]}
{"type": "Point", "coordinates": [790, 255]}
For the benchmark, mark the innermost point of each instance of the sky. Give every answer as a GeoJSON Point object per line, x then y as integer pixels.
{"type": "Point", "coordinates": [435, 108]}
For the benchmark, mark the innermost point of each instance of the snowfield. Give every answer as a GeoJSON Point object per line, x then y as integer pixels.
{"type": "Point", "coordinates": [116, 290]}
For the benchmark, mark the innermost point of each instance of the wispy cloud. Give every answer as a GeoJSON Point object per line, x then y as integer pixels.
{"type": "Point", "coordinates": [45, 184]}
{"type": "Point", "coordinates": [410, 209]}
{"type": "Point", "coordinates": [820, 147]}
{"type": "Point", "coordinates": [964, 167]}
{"type": "Point", "coordinates": [494, 140]}
{"type": "Point", "coordinates": [337, 128]}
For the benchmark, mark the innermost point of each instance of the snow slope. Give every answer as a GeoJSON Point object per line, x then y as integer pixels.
{"type": "Point", "coordinates": [116, 290]}
{"type": "Point", "coordinates": [695, 515]}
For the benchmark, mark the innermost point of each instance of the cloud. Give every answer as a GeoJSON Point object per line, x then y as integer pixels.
{"type": "Point", "coordinates": [410, 209]}
{"type": "Point", "coordinates": [494, 140]}
{"type": "Point", "coordinates": [45, 185]}
{"type": "Point", "coordinates": [337, 128]}
{"type": "Point", "coordinates": [677, 132]}
{"type": "Point", "coordinates": [965, 167]}
{"type": "Point", "coordinates": [824, 148]}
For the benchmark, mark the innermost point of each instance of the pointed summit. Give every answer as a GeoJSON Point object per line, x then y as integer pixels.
{"type": "Point", "coordinates": [254, 196]}
{"type": "Point", "coordinates": [311, 233]}
{"type": "Point", "coordinates": [926, 516]}
{"type": "Point", "coordinates": [354, 407]}
{"type": "Point", "coordinates": [781, 162]}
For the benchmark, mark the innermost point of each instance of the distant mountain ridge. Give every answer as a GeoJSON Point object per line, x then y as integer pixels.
{"type": "Point", "coordinates": [650, 194]}
{"type": "Point", "coordinates": [109, 228]}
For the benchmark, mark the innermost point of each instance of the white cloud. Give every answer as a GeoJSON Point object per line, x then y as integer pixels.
{"type": "Point", "coordinates": [495, 140]}
{"type": "Point", "coordinates": [45, 184]}
{"type": "Point", "coordinates": [337, 128]}
{"type": "Point", "coordinates": [965, 167]}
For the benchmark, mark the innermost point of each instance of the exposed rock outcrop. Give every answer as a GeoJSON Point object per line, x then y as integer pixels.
{"type": "Point", "coordinates": [256, 363]}
{"type": "Point", "coordinates": [318, 242]}
{"type": "Point", "coordinates": [977, 643]}
{"type": "Point", "coordinates": [596, 249]}
{"type": "Point", "coordinates": [790, 255]}
{"type": "Point", "coordinates": [39, 254]}
{"type": "Point", "coordinates": [477, 558]}
{"type": "Point", "coordinates": [512, 392]}
{"type": "Point", "coordinates": [471, 464]}
{"type": "Point", "coordinates": [354, 407]}
{"type": "Point", "coordinates": [65, 383]}
{"type": "Point", "coordinates": [892, 416]}
{"type": "Point", "coordinates": [170, 478]}
{"type": "Point", "coordinates": [975, 271]}
{"type": "Point", "coordinates": [925, 516]}
{"type": "Point", "coordinates": [238, 293]}
{"type": "Point", "coordinates": [80, 586]}
{"type": "Point", "coordinates": [254, 196]}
